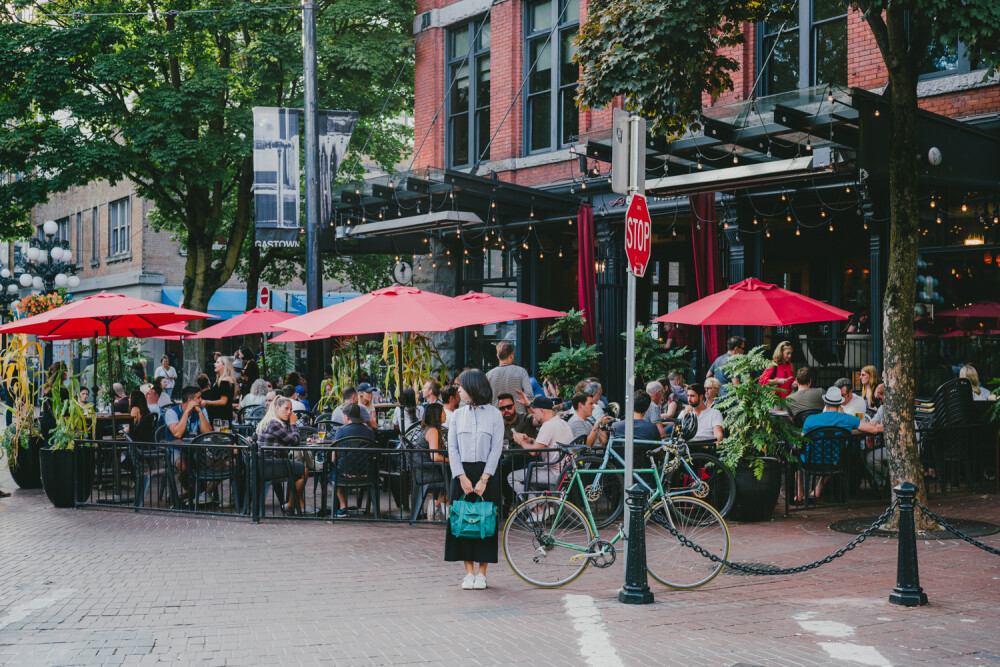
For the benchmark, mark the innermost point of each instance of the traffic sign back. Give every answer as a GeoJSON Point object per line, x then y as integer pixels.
{"type": "Point", "coordinates": [638, 235]}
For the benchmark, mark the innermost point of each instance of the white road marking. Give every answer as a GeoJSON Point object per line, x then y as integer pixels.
{"type": "Point", "coordinates": [828, 628]}
{"type": "Point", "coordinates": [865, 655]}
{"type": "Point", "coordinates": [595, 643]}
{"type": "Point", "coordinates": [23, 611]}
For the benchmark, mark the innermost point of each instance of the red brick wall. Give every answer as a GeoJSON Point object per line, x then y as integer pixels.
{"type": "Point", "coordinates": [864, 70]}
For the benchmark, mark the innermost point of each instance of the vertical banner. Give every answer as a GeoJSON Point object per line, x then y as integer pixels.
{"type": "Point", "coordinates": [276, 176]}
{"type": "Point", "coordinates": [333, 135]}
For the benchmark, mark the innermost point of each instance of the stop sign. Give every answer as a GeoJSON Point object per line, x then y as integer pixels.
{"type": "Point", "coordinates": [638, 234]}
{"type": "Point", "coordinates": [264, 297]}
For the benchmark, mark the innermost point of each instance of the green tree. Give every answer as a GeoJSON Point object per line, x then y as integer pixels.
{"type": "Point", "coordinates": [161, 94]}
{"type": "Point", "coordinates": [662, 55]}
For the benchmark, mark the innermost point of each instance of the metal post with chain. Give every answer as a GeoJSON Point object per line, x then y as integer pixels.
{"type": "Point", "coordinates": [907, 592]}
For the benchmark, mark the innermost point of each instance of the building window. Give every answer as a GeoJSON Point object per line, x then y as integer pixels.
{"type": "Point", "coordinates": [942, 59]}
{"type": "Point", "coordinates": [468, 74]}
{"type": "Point", "coordinates": [118, 228]}
{"type": "Point", "coordinates": [62, 232]}
{"type": "Point", "coordinates": [552, 120]}
{"type": "Point", "coordinates": [95, 255]}
{"type": "Point", "coordinates": [802, 60]}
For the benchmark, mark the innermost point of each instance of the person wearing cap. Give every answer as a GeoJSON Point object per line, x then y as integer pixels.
{"type": "Point", "coordinates": [350, 395]}
{"type": "Point", "coordinates": [366, 397]}
{"type": "Point", "coordinates": [551, 431]}
{"type": "Point", "coordinates": [832, 415]}
{"type": "Point", "coordinates": [300, 396]}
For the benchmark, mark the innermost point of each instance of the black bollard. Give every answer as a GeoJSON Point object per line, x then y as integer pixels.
{"type": "Point", "coordinates": [636, 588]}
{"type": "Point", "coordinates": [907, 592]}
{"type": "Point", "coordinates": [255, 486]}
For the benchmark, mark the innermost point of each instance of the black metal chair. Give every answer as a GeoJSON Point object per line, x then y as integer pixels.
{"type": "Point", "coordinates": [358, 470]}
{"type": "Point", "coordinates": [826, 453]}
{"type": "Point", "coordinates": [252, 412]}
{"type": "Point", "coordinates": [150, 462]}
{"type": "Point", "coordinates": [949, 430]}
{"type": "Point", "coordinates": [799, 418]}
{"type": "Point", "coordinates": [218, 463]}
{"type": "Point", "coordinates": [303, 418]}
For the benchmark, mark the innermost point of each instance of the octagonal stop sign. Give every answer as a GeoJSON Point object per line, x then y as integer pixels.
{"type": "Point", "coordinates": [638, 235]}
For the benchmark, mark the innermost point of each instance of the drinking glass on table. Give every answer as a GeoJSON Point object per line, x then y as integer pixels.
{"type": "Point", "coordinates": [224, 425]}
{"type": "Point", "coordinates": [321, 433]}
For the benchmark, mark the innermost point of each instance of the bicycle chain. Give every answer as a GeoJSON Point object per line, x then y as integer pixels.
{"type": "Point", "coordinates": [955, 531]}
{"type": "Point", "coordinates": [789, 570]}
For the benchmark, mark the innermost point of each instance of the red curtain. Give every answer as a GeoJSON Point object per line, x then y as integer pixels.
{"type": "Point", "coordinates": [587, 283]}
{"type": "Point", "coordinates": [707, 268]}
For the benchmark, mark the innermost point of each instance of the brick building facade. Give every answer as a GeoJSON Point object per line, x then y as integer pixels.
{"type": "Point", "coordinates": [781, 235]}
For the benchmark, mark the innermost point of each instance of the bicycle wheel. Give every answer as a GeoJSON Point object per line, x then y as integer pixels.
{"type": "Point", "coordinates": [670, 562]}
{"type": "Point", "coordinates": [606, 494]}
{"type": "Point", "coordinates": [533, 540]}
{"type": "Point", "coordinates": [720, 485]}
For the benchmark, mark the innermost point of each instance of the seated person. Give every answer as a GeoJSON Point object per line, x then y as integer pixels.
{"type": "Point", "coordinates": [288, 391]}
{"type": "Point", "coordinates": [979, 393]}
{"type": "Point", "coordinates": [277, 429]}
{"type": "Point", "coordinates": [709, 419]}
{"type": "Point", "coordinates": [350, 395]}
{"type": "Point", "coordinates": [121, 399]}
{"type": "Point", "coordinates": [185, 421]}
{"type": "Point", "coordinates": [641, 429]}
{"type": "Point", "coordinates": [427, 468]}
{"type": "Point", "coordinates": [514, 420]}
{"type": "Point", "coordinates": [408, 414]}
{"type": "Point", "coordinates": [552, 431]}
{"type": "Point", "coordinates": [579, 423]}
{"type": "Point", "coordinates": [853, 404]}
{"type": "Point", "coordinates": [300, 397]}
{"type": "Point", "coordinates": [656, 396]}
{"type": "Point", "coordinates": [354, 428]}
{"type": "Point", "coordinates": [832, 415]}
{"type": "Point", "coordinates": [806, 397]}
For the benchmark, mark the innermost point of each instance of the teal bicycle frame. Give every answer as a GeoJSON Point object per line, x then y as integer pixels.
{"type": "Point", "coordinates": [682, 455]}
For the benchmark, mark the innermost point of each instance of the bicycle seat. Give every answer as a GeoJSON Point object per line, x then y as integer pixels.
{"type": "Point", "coordinates": [573, 450]}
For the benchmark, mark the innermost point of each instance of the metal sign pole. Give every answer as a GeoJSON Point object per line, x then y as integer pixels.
{"type": "Point", "coordinates": [633, 188]}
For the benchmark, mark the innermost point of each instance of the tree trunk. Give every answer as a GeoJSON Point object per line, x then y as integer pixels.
{"type": "Point", "coordinates": [900, 291]}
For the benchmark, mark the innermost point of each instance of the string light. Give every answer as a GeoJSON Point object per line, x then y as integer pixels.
{"type": "Point", "coordinates": [933, 203]}
{"type": "Point", "coordinates": [767, 232]}
{"type": "Point", "coordinates": [822, 213]}
{"type": "Point", "coordinates": [755, 222]}
{"type": "Point", "coordinates": [699, 163]}
{"type": "Point", "coordinates": [788, 218]}
{"type": "Point", "coordinates": [570, 222]}
{"type": "Point", "coordinates": [876, 113]}
{"type": "Point", "coordinates": [674, 233]}
{"type": "Point", "coordinates": [848, 189]}
{"type": "Point", "coordinates": [831, 226]}
{"type": "Point", "coordinates": [560, 252]}
{"type": "Point", "coordinates": [797, 232]}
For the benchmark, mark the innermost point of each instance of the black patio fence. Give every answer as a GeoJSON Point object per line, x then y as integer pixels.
{"type": "Point", "coordinates": [240, 479]}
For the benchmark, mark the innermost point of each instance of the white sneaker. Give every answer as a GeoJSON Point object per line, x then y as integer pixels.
{"type": "Point", "coordinates": [205, 498]}
{"type": "Point", "coordinates": [470, 581]}
{"type": "Point", "coordinates": [480, 582]}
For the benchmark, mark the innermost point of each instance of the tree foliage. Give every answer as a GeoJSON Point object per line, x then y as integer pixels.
{"type": "Point", "coordinates": [165, 100]}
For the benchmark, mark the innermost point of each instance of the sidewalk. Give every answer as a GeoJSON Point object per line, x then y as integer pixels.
{"type": "Point", "coordinates": [115, 587]}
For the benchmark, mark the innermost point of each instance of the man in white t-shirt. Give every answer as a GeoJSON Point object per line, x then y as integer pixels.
{"type": "Point", "coordinates": [853, 404]}
{"type": "Point", "coordinates": [165, 370]}
{"type": "Point", "coordinates": [709, 419]}
{"type": "Point", "coordinates": [350, 395]}
{"type": "Point", "coordinates": [552, 431]}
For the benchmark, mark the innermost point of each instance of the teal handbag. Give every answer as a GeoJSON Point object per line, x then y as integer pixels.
{"type": "Point", "coordinates": [477, 520]}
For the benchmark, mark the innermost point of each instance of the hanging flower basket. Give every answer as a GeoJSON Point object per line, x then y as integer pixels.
{"type": "Point", "coordinates": [36, 304]}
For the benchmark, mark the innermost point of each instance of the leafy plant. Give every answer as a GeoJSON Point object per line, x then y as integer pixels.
{"type": "Point", "coordinates": [567, 326]}
{"type": "Point", "coordinates": [124, 353]}
{"type": "Point", "coordinates": [751, 430]}
{"type": "Point", "coordinates": [569, 365]}
{"type": "Point", "coordinates": [16, 381]}
{"type": "Point", "coordinates": [345, 361]}
{"type": "Point", "coordinates": [278, 359]}
{"type": "Point", "coordinates": [420, 359]}
{"type": "Point", "coordinates": [73, 419]}
{"type": "Point", "coordinates": [652, 360]}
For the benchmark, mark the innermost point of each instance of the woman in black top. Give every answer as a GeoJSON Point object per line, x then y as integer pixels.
{"type": "Point", "coordinates": [218, 400]}
{"type": "Point", "coordinates": [427, 468]}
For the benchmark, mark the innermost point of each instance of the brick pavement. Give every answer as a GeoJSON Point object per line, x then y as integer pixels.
{"type": "Point", "coordinates": [114, 587]}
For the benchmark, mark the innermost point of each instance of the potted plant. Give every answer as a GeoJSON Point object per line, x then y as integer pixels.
{"type": "Point", "coordinates": [652, 360]}
{"type": "Point", "coordinates": [20, 440]}
{"type": "Point", "coordinates": [67, 464]}
{"type": "Point", "coordinates": [756, 440]}
{"type": "Point", "coordinates": [569, 365]}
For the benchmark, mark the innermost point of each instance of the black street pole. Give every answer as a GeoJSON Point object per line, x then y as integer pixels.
{"type": "Point", "coordinates": [314, 272]}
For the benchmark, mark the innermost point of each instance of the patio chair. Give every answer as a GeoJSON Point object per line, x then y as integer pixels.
{"type": "Point", "coordinates": [216, 463]}
{"type": "Point", "coordinates": [150, 462]}
{"type": "Point", "coordinates": [358, 470]}
{"type": "Point", "coordinates": [826, 452]}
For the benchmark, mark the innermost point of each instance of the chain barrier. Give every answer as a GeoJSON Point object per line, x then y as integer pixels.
{"type": "Point", "coordinates": [955, 531]}
{"type": "Point", "coordinates": [789, 570]}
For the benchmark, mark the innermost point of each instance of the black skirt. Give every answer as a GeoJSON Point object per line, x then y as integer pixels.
{"type": "Point", "coordinates": [469, 548]}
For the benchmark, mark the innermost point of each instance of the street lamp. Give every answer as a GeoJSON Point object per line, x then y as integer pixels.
{"type": "Point", "coordinates": [8, 292]}
{"type": "Point", "coordinates": [49, 265]}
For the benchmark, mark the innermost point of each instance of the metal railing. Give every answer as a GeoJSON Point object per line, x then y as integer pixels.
{"type": "Point", "coordinates": [305, 482]}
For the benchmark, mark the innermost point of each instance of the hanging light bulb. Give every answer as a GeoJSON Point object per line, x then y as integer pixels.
{"type": "Point", "coordinates": [939, 219]}
{"type": "Point", "coordinates": [809, 145]}
{"type": "Point", "coordinates": [788, 218]}
{"type": "Point", "coordinates": [532, 213]}
{"type": "Point", "coordinates": [848, 189]}
{"type": "Point", "coordinates": [797, 232]}
{"type": "Point", "coordinates": [529, 228]}
{"type": "Point", "coordinates": [560, 252]}
{"type": "Point", "coordinates": [674, 233]}
{"type": "Point", "coordinates": [783, 197]}
{"type": "Point", "coordinates": [755, 221]}
{"type": "Point", "coordinates": [831, 226]}
{"type": "Point", "coordinates": [736, 160]}
{"type": "Point", "coordinates": [541, 255]}
{"type": "Point", "coordinates": [434, 265]}
{"type": "Point", "coordinates": [570, 222]}
{"type": "Point", "coordinates": [965, 206]}
{"type": "Point", "coordinates": [767, 233]}
{"type": "Point", "coordinates": [933, 203]}
{"type": "Point", "coordinates": [877, 113]}
{"type": "Point", "coordinates": [829, 97]}
{"type": "Point", "coordinates": [466, 251]}
{"type": "Point", "coordinates": [493, 204]}
{"type": "Point", "coordinates": [822, 213]}
{"type": "Point", "coordinates": [699, 163]}
{"type": "Point", "coordinates": [583, 185]}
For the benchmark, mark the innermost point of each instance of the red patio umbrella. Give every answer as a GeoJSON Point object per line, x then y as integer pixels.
{"type": "Point", "coordinates": [178, 331]}
{"type": "Point", "coordinates": [494, 308]}
{"type": "Point", "coordinates": [256, 321]}
{"type": "Point", "coordinates": [391, 309]}
{"type": "Point", "coordinates": [754, 303]}
{"type": "Point", "coordinates": [979, 309]}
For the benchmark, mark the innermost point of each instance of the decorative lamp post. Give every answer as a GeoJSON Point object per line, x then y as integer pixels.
{"type": "Point", "coordinates": [49, 265]}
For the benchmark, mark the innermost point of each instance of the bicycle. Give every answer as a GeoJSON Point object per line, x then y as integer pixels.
{"type": "Point", "coordinates": [548, 541]}
{"type": "Point", "coordinates": [699, 474]}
